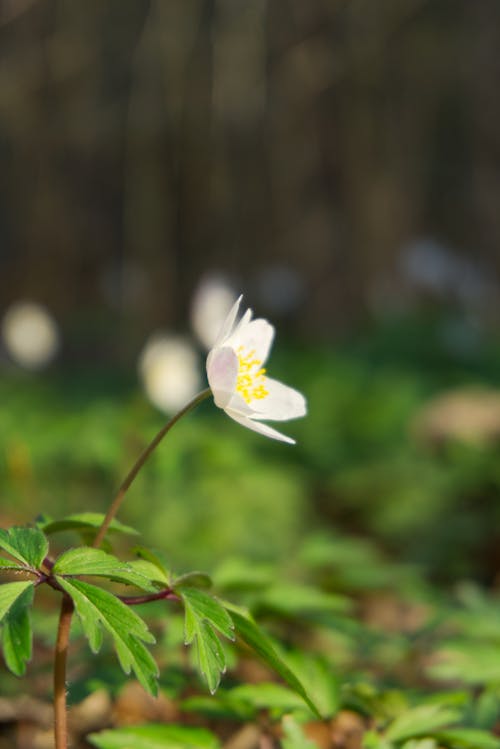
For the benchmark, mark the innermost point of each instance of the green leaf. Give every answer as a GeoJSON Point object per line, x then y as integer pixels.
{"type": "Point", "coordinates": [294, 737]}
{"type": "Point", "coordinates": [468, 738]}
{"type": "Point", "coordinates": [88, 561]}
{"type": "Point", "coordinates": [297, 600]}
{"type": "Point", "coordinates": [241, 574]}
{"type": "Point", "coordinates": [28, 545]}
{"type": "Point", "coordinates": [10, 564]}
{"type": "Point", "coordinates": [204, 607]}
{"type": "Point", "coordinates": [150, 571]}
{"type": "Point", "coordinates": [155, 558]}
{"type": "Point", "coordinates": [85, 521]}
{"type": "Point", "coordinates": [421, 721]}
{"type": "Point", "coordinates": [9, 593]}
{"type": "Point", "coordinates": [193, 580]}
{"type": "Point", "coordinates": [470, 662]}
{"type": "Point", "coordinates": [17, 635]}
{"type": "Point", "coordinates": [318, 679]}
{"type": "Point", "coordinates": [255, 638]}
{"type": "Point", "coordinates": [203, 616]}
{"type": "Point", "coordinates": [97, 607]}
{"type": "Point", "coordinates": [220, 706]}
{"type": "Point", "coordinates": [372, 740]}
{"type": "Point", "coordinates": [155, 736]}
{"type": "Point", "coordinates": [268, 696]}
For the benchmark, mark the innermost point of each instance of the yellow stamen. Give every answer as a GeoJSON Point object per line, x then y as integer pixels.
{"type": "Point", "coordinates": [251, 379]}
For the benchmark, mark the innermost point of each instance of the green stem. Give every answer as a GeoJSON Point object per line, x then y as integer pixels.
{"type": "Point", "coordinates": [116, 503]}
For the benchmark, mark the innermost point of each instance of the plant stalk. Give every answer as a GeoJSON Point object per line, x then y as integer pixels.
{"type": "Point", "coordinates": [61, 652]}
{"type": "Point", "coordinates": [116, 503]}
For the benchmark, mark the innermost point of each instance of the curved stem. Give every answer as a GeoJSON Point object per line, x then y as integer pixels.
{"type": "Point", "coordinates": [61, 651]}
{"type": "Point", "coordinates": [115, 505]}
{"type": "Point", "coordinates": [162, 595]}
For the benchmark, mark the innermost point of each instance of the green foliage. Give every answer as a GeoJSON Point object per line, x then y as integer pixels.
{"type": "Point", "coordinates": [9, 593]}
{"type": "Point", "coordinates": [89, 561]}
{"type": "Point", "coordinates": [28, 545]}
{"type": "Point", "coordinates": [275, 698]}
{"type": "Point", "coordinates": [294, 737]}
{"type": "Point", "coordinates": [84, 522]}
{"type": "Point", "coordinates": [155, 737]}
{"type": "Point", "coordinates": [423, 720]}
{"type": "Point", "coordinates": [16, 631]}
{"type": "Point", "coordinates": [156, 563]}
{"type": "Point", "coordinates": [468, 738]}
{"type": "Point", "coordinates": [204, 617]}
{"type": "Point", "coordinates": [255, 638]}
{"type": "Point", "coordinates": [319, 679]}
{"type": "Point", "coordinates": [98, 608]}
{"type": "Point", "coordinates": [364, 628]}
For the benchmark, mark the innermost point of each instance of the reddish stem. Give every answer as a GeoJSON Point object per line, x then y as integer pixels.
{"type": "Point", "coordinates": [167, 594]}
{"type": "Point", "coordinates": [61, 652]}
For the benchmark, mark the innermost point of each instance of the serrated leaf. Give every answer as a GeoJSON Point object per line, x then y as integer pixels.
{"type": "Point", "coordinates": [203, 616]}
{"type": "Point", "coordinates": [468, 738]}
{"type": "Point", "coordinates": [420, 721]}
{"type": "Point", "coordinates": [255, 638]}
{"type": "Point", "coordinates": [17, 634]}
{"type": "Point", "coordinates": [85, 520]}
{"type": "Point", "coordinates": [88, 561]}
{"type": "Point", "coordinates": [97, 607]}
{"type": "Point", "coordinates": [211, 656]}
{"type": "Point", "coordinates": [28, 545]}
{"type": "Point", "coordinates": [205, 607]}
{"type": "Point", "coordinates": [155, 736]}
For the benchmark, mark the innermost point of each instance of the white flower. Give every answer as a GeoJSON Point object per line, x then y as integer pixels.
{"type": "Point", "coordinates": [168, 366]}
{"type": "Point", "coordinates": [30, 334]}
{"type": "Point", "coordinates": [238, 380]}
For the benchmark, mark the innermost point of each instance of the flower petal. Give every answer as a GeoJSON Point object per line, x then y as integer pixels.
{"type": "Point", "coordinates": [222, 372]}
{"type": "Point", "coordinates": [228, 324]}
{"type": "Point", "coordinates": [258, 426]}
{"type": "Point", "coordinates": [280, 404]}
{"type": "Point", "coordinates": [255, 335]}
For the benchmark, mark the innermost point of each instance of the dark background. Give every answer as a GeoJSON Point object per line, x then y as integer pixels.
{"type": "Point", "coordinates": [144, 144]}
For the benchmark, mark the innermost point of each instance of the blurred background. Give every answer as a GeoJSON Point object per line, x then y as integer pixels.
{"type": "Point", "coordinates": [337, 162]}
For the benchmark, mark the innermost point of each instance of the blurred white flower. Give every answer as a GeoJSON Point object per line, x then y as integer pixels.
{"type": "Point", "coordinates": [210, 305]}
{"type": "Point", "coordinates": [239, 382]}
{"type": "Point", "coordinates": [30, 335]}
{"type": "Point", "coordinates": [169, 370]}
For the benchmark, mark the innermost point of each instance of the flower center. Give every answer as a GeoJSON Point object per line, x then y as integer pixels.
{"type": "Point", "coordinates": [250, 381]}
